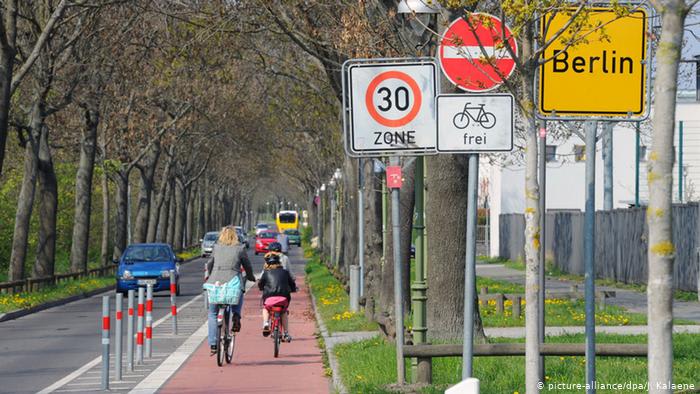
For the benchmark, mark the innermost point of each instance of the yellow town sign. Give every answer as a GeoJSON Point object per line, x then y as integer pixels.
{"type": "Point", "coordinates": [604, 75]}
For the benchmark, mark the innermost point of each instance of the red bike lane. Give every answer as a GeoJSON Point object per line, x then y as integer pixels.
{"type": "Point", "coordinates": [299, 368]}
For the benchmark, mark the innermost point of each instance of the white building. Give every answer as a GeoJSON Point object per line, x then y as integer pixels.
{"type": "Point", "coordinates": [503, 182]}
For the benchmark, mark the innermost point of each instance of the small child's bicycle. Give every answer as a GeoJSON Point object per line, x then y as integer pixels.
{"type": "Point", "coordinates": [276, 306]}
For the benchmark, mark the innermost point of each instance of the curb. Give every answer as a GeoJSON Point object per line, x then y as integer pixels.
{"type": "Point", "coordinates": [328, 344]}
{"type": "Point", "coordinates": [27, 311]}
{"type": "Point", "coordinates": [38, 308]}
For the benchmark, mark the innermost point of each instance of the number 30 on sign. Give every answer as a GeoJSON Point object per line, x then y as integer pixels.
{"type": "Point", "coordinates": [392, 108]}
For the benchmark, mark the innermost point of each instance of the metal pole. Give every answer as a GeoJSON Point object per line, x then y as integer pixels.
{"type": "Point", "coordinates": [149, 321]}
{"type": "Point", "coordinates": [361, 227]}
{"type": "Point", "coordinates": [118, 338]}
{"type": "Point", "coordinates": [105, 343]}
{"type": "Point", "coordinates": [385, 218]}
{"type": "Point", "coordinates": [130, 332]}
{"type": "Point", "coordinates": [588, 253]}
{"type": "Point", "coordinates": [398, 294]}
{"type": "Point", "coordinates": [354, 288]}
{"type": "Point", "coordinates": [139, 328]}
{"type": "Point", "coordinates": [333, 227]}
{"type": "Point", "coordinates": [470, 267]}
{"type": "Point", "coordinates": [636, 165]}
{"type": "Point", "coordinates": [608, 165]}
{"type": "Point", "coordinates": [680, 161]}
{"type": "Point", "coordinates": [418, 286]}
{"type": "Point", "coordinates": [173, 300]}
{"type": "Point", "coordinates": [542, 250]}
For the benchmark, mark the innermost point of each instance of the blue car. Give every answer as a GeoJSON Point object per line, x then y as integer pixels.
{"type": "Point", "coordinates": [143, 264]}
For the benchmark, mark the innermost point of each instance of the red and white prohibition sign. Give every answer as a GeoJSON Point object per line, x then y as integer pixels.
{"type": "Point", "coordinates": [411, 100]}
{"type": "Point", "coordinates": [462, 59]}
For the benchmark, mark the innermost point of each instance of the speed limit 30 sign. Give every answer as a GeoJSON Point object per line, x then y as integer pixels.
{"type": "Point", "coordinates": [390, 107]}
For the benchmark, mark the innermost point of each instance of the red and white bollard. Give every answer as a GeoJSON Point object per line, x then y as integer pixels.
{"type": "Point", "coordinates": [105, 342]}
{"type": "Point", "coordinates": [149, 321]}
{"type": "Point", "coordinates": [139, 328]}
{"type": "Point", "coordinates": [118, 338]}
{"type": "Point", "coordinates": [173, 300]}
{"type": "Point", "coordinates": [130, 332]}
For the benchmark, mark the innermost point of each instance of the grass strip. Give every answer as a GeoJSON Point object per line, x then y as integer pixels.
{"type": "Point", "coordinates": [558, 312]}
{"type": "Point", "coordinates": [555, 272]}
{"type": "Point", "coordinates": [369, 367]}
{"type": "Point", "coordinates": [332, 301]}
{"type": "Point", "coordinates": [12, 302]}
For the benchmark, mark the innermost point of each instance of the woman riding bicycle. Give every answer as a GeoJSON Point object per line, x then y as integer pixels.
{"type": "Point", "coordinates": [228, 259]}
{"type": "Point", "coordinates": [276, 282]}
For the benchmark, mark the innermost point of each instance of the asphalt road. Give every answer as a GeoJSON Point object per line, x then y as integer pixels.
{"type": "Point", "coordinates": [39, 349]}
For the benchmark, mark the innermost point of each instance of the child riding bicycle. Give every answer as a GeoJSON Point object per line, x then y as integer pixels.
{"type": "Point", "coordinates": [276, 283]}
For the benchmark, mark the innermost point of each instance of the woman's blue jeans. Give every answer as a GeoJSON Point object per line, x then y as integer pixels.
{"type": "Point", "coordinates": [212, 319]}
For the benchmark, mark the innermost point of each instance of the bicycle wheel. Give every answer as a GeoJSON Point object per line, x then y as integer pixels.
{"type": "Point", "coordinates": [276, 338]}
{"type": "Point", "coordinates": [220, 345]}
{"type": "Point", "coordinates": [231, 344]}
{"type": "Point", "coordinates": [487, 120]}
{"type": "Point", "coordinates": [461, 120]}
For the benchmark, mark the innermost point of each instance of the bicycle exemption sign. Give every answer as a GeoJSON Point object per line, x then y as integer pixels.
{"type": "Point", "coordinates": [389, 107]}
{"type": "Point", "coordinates": [474, 123]}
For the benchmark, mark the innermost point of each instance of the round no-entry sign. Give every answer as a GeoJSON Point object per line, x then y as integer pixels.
{"type": "Point", "coordinates": [463, 60]}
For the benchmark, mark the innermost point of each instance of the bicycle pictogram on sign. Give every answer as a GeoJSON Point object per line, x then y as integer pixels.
{"type": "Point", "coordinates": [484, 118]}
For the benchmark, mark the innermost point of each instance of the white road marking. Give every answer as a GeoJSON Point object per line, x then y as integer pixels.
{"type": "Point", "coordinates": [157, 378]}
{"type": "Point", "coordinates": [97, 360]}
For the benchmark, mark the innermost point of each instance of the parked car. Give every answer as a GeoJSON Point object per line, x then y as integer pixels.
{"type": "Point", "coordinates": [208, 242]}
{"type": "Point", "coordinates": [264, 239]}
{"type": "Point", "coordinates": [144, 264]}
{"type": "Point", "coordinates": [242, 237]}
{"type": "Point", "coordinates": [294, 237]}
{"type": "Point", "coordinates": [260, 227]}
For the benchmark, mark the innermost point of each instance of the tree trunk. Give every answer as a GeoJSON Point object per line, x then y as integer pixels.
{"type": "Point", "coordinates": [7, 61]}
{"type": "Point", "coordinates": [48, 208]}
{"type": "Point", "coordinates": [446, 218]}
{"type": "Point", "coordinates": [164, 216]}
{"type": "Point", "coordinates": [143, 209]}
{"type": "Point", "coordinates": [373, 240]}
{"type": "Point", "coordinates": [104, 247]}
{"type": "Point", "coordinates": [201, 216]}
{"type": "Point", "coordinates": [170, 228]}
{"type": "Point", "coordinates": [189, 214]}
{"type": "Point", "coordinates": [83, 193]}
{"type": "Point", "coordinates": [661, 250]}
{"type": "Point", "coordinates": [180, 216]}
{"type": "Point", "coordinates": [121, 181]}
{"type": "Point", "coordinates": [25, 201]}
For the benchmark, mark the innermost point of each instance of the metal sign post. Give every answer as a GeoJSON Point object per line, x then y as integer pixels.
{"type": "Point", "coordinates": [393, 179]}
{"type": "Point", "coordinates": [589, 254]}
{"type": "Point", "coordinates": [469, 123]}
{"type": "Point", "coordinates": [470, 267]}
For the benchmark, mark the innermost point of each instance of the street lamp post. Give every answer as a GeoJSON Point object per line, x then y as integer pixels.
{"type": "Point", "coordinates": [421, 367]}
{"type": "Point", "coordinates": [322, 218]}
{"type": "Point", "coordinates": [332, 197]}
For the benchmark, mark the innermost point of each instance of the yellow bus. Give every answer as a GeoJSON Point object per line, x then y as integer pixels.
{"type": "Point", "coordinates": [287, 220]}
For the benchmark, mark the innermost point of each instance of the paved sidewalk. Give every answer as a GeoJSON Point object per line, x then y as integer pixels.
{"type": "Point", "coordinates": [299, 368]}
{"type": "Point", "coordinates": [631, 300]}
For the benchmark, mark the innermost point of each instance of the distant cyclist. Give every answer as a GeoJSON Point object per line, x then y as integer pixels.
{"type": "Point", "coordinates": [228, 259]}
{"type": "Point", "coordinates": [283, 240]}
{"type": "Point", "coordinates": [276, 282]}
{"type": "Point", "coordinates": [276, 248]}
